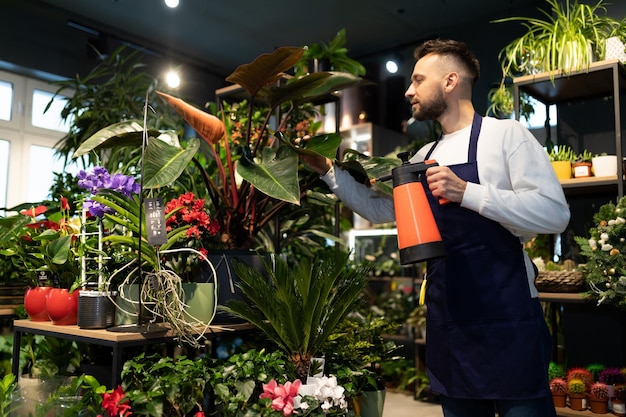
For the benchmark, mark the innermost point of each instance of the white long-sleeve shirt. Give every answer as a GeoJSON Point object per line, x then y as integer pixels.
{"type": "Point", "coordinates": [518, 187]}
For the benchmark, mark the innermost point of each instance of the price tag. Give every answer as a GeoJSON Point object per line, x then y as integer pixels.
{"type": "Point", "coordinates": [155, 221]}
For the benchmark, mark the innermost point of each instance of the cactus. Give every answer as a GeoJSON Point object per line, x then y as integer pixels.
{"type": "Point", "coordinates": [620, 392]}
{"type": "Point", "coordinates": [580, 373]}
{"type": "Point", "coordinates": [562, 153]}
{"type": "Point", "coordinates": [599, 390]}
{"type": "Point", "coordinates": [596, 369]}
{"type": "Point", "coordinates": [558, 386]}
{"type": "Point", "coordinates": [576, 386]}
{"type": "Point", "coordinates": [612, 376]}
{"type": "Point", "coordinates": [555, 371]}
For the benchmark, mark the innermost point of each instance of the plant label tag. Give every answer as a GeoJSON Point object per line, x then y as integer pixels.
{"type": "Point", "coordinates": [155, 221]}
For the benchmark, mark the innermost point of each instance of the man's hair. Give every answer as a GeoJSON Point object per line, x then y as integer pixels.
{"type": "Point", "coordinates": [454, 49]}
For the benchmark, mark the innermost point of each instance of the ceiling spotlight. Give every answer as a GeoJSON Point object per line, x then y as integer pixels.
{"type": "Point", "coordinates": [391, 66]}
{"type": "Point", "coordinates": [172, 79]}
{"type": "Point", "coordinates": [172, 4]}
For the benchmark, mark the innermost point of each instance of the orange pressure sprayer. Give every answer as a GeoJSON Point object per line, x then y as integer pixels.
{"type": "Point", "coordinates": [418, 235]}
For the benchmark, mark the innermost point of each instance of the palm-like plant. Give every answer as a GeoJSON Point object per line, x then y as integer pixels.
{"type": "Point", "coordinates": [299, 306]}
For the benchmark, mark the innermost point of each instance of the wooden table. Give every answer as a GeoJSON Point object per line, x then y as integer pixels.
{"type": "Point", "coordinates": [116, 340]}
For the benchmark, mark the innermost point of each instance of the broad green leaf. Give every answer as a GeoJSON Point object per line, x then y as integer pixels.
{"type": "Point", "coordinates": [275, 175]}
{"type": "Point", "coordinates": [164, 163]}
{"type": "Point", "coordinates": [58, 250]}
{"type": "Point", "coordinates": [325, 145]}
{"type": "Point", "coordinates": [265, 69]}
{"type": "Point", "coordinates": [126, 133]}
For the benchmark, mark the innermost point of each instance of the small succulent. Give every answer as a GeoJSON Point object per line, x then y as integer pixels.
{"type": "Point", "coordinates": [576, 386]}
{"type": "Point", "coordinates": [558, 386]}
{"type": "Point", "coordinates": [620, 392]}
{"type": "Point", "coordinates": [599, 390]}
{"type": "Point", "coordinates": [555, 370]}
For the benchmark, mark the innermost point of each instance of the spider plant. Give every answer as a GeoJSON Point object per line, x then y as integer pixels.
{"type": "Point", "coordinates": [298, 306]}
{"type": "Point", "coordinates": [568, 37]}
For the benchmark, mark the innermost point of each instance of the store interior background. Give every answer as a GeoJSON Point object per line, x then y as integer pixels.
{"type": "Point", "coordinates": [206, 40]}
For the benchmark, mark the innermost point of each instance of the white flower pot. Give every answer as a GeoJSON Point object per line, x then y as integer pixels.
{"type": "Point", "coordinates": [604, 166]}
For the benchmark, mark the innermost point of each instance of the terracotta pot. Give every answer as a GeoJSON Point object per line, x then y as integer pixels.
{"type": "Point", "coordinates": [560, 400]}
{"type": "Point", "coordinates": [599, 406]}
{"type": "Point", "coordinates": [578, 402]}
{"type": "Point", "coordinates": [35, 303]}
{"type": "Point", "coordinates": [62, 306]}
{"type": "Point", "coordinates": [581, 169]}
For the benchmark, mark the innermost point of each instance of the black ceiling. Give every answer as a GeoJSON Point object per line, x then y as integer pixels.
{"type": "Point", "coordinates": [222, 35]}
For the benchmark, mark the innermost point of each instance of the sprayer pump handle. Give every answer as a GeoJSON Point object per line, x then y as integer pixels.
{"type": "Point", "coordinates": [404, 157]}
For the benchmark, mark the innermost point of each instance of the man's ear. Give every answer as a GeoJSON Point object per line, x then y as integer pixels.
{"type": "Point", "coordinates": [451, 81]}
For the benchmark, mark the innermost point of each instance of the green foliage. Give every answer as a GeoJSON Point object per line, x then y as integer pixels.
{"type": "Point", "coordinates": [555, 370]}
{"type": "Point", "coordinates": [114, 90]}
{"type": "Point", "coordinates": [562, 153]}
{"type": "Point", "coordinates": [164, 386]}
{"type": "Point", "coordinates": [356, 349]}
{"type": "Point", "coordinates": [566, 38]}
{"type": "Point", "coordinates": [8, 384]}
{"type": "Point", "coordinates": [236, 382]}
{"type": "Point", "coordinates": [605, 251]}
{"type": "Point", "coordinates": [298, 306]}
{"type": "Point", "coordinates": [335, 52]}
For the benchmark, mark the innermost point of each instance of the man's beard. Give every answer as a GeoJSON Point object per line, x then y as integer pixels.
{"type": "Point", "coordinates": [430, 110]}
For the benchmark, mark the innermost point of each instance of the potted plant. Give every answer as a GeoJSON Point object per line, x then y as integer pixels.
{"type": "Point", "coordinates": [116, 199]}
{"type": "Point", "coordinates": [558, 388]}
{"type": "Point", "coordinates": [332, 56]}
{"type": "Point", "coordinates": [44, 242]}
{"type": "Point", "coordinates": [561, 158]}
{"type": "Point", "coordinates": [581, 165]}
{"type": "Point", "coordinates": [298, 305]}
{"type": "Point", "coordinates": [604, 251]}
{"type": "Point", "coordinates": [598, 398]}
{"type": "Point", "coordinates": [567, 38]}
{"type": "Point", "coordinates": [266, 159]}
{"type": "Point", "coordinates": [576, 391]}
{"type": "Point", "coordinates": [619, 400]}
{"type": "Point", "coordinates": [355, 353]}
{"type": "Point", "coordinates": [611, 377]}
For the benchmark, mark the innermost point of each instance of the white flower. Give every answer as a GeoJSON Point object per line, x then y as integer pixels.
{"type": "Point", "coordinates": [593, 244]}
{"type": "Point", "coordinates": [611, 222]}
{"type": "Point", "coordinates": [604, 237]}
{"type": "Point", "coordinates": [620, 220]}
{"type": "Point", "coordinates": [606, 247]}
{"type": "Point", "coordinates": [303, 405]}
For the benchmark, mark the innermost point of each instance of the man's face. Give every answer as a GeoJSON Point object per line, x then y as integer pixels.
{"type": "Point", "coordinates": [426, 90]}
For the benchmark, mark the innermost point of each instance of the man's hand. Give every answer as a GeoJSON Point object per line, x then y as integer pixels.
{"type": "Point", "coordinates": [318, 163]}
{"type": "Point", "coordinates": [444, 184]}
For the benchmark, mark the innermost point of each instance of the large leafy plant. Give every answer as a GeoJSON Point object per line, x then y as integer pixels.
{"type": "Point", "coordinates": [248, 181]}
{"type": "Point", "coordinates": [298, 306]}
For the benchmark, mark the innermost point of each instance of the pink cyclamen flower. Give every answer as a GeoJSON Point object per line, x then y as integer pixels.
{"type": "Point", "coordinates": [281, 395]}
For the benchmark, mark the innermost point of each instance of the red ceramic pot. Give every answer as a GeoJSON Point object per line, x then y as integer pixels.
{"type": "Point", "coordinates": [35, 303]}
{"type": "Point", "coordinates": [62, 306]}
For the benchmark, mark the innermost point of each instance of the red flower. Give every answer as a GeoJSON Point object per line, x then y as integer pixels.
{"type": "Point", "coordinates": [34, 211]}
{"type": "Point", "coordinates": [64, 204]}
{"type": "Point", "coordinates": [113, 405]}
{"type": "Point", "coordinates": [44, 224]}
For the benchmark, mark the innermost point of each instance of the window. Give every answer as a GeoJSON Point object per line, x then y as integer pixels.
{"type": "Point", "coordinates": [27, 139]}
{"type": "Point", "coordinates": [6, 99]}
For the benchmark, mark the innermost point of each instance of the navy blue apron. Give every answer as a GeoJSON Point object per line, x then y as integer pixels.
{"type": "Point", "coordinates": [480, 317]}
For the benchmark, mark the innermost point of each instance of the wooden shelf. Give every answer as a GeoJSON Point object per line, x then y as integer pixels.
{"type": "Point", "coordinates": [568, 412]}
{"type": "Point", "coordinates": [562, 297]}
{"type": "Point", "coordinates": [558, 86]}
